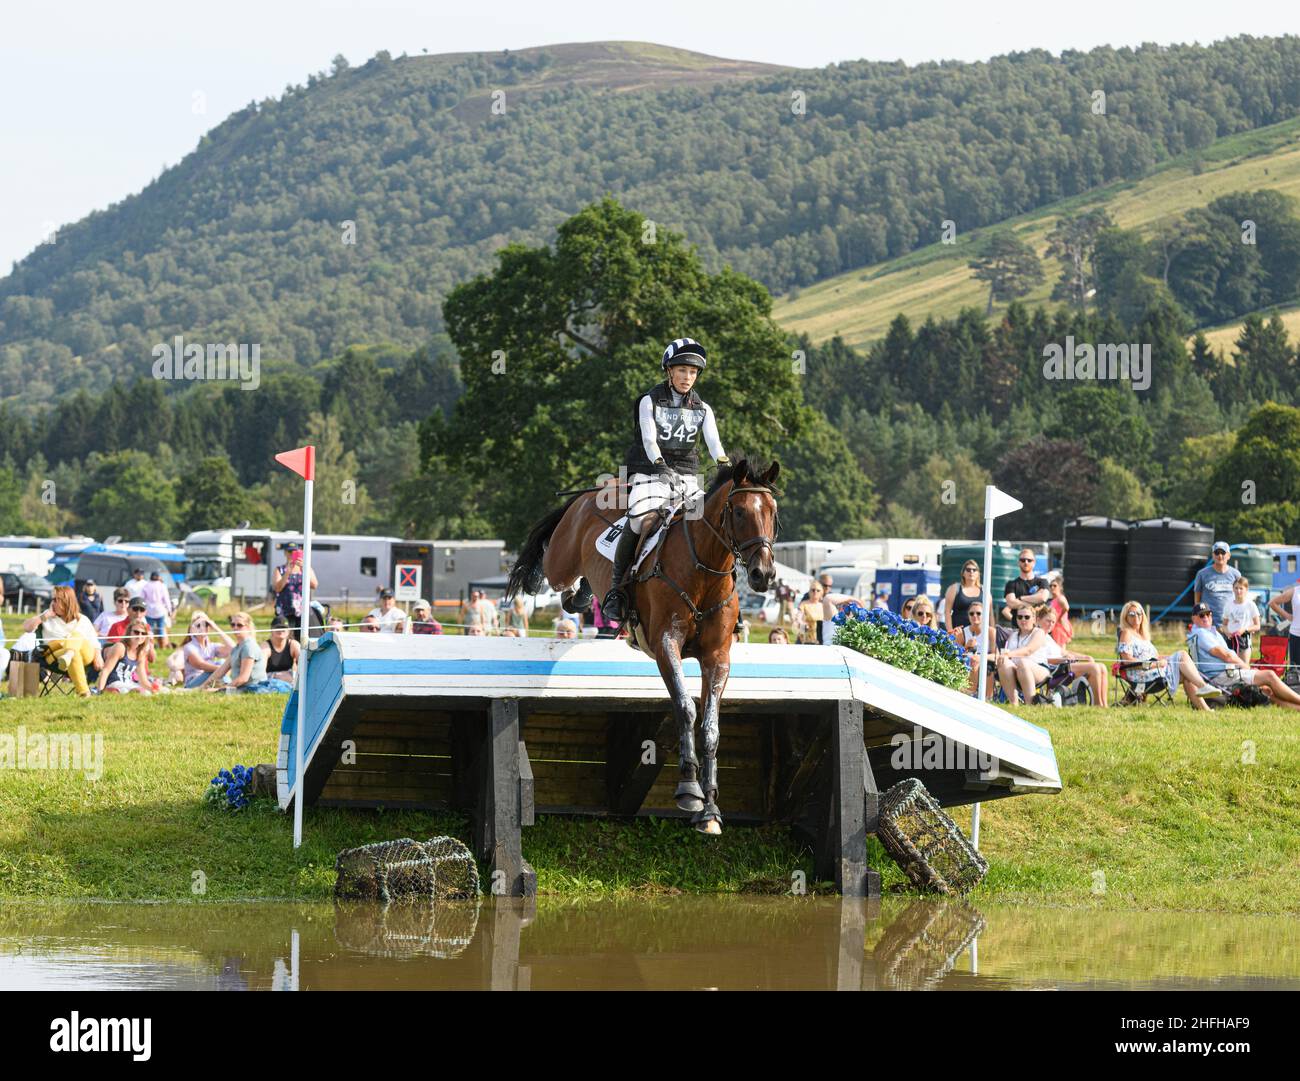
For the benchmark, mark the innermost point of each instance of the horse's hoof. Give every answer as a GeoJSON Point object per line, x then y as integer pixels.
{"type": "Point", "coordinates": [708, 819]}
{"type": "Point", "coordinates": [689, 797]}
{"type": "Point", "coordinates": [710, 827]}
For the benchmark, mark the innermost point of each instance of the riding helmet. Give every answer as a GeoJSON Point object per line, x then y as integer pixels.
{"type": "Point", "coordinates": [684, 351]}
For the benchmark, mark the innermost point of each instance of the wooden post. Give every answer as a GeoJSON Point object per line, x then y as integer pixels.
{"type": "Point", "coordinates": [497, 831]}
{"type": "Point", "coordinates": [848, 786]}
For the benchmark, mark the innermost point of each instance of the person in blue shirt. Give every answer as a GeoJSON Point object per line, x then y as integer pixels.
{"type": "Point", "coordinates": [1213, 584]}
{"type": "Point", "coordinates": [1217, 663]}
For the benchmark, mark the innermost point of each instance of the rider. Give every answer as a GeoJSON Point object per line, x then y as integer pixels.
{"type": "Point", "coordinates": [664, 455]}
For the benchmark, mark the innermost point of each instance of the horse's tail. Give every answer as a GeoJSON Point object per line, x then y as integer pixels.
{"type": "Point", "coordinates": [526, 575]}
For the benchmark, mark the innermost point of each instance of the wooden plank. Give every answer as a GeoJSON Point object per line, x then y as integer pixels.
{"type": "Point", "coordinates": [848, 840]}
{"type": "Point", "coordinates": [629, 777]}
{"type": "Point", "coordinates": [497, 828]}
{"type": "Point", "coordinates": [526, 787]}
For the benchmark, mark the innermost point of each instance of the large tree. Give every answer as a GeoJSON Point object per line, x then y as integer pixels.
{"type": "Point", "coordinates": [558, 342]}
{"type": "Point", "coordinates": [1009, 266]}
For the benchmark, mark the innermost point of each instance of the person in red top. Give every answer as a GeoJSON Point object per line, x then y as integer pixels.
{"type": "Point", "coordinates": [117, 632]}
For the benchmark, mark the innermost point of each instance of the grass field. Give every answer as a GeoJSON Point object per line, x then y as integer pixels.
{"type": "Point", "coordinates": [1162, 808]}
{"type": "Point", "coordinates": [859, 305]}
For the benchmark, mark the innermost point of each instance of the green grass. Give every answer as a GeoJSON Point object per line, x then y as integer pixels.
{"type": "Point", "coordinates": [935, 280]}
{"type": "Point", "coordinates": [1156, 799]}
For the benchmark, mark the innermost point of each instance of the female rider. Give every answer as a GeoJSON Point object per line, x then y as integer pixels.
{"type": "Point", "coordinates": [664, 456]}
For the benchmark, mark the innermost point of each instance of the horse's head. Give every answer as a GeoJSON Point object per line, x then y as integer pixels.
{"type": "Point", "coordinates": [750, 522]}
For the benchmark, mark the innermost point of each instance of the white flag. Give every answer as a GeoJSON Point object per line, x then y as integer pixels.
{"type": "Point", "coordinates": [997, 503]}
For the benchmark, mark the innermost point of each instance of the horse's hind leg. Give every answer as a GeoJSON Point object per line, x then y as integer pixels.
{"type": "Point", "coordinates": [689, 795]}
{"type": "Point", "coordinates": [709, 819]}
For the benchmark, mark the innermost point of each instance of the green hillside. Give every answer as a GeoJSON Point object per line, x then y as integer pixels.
{"type": "Point", "coordinates": [937, 281]}
{"type": "Point", "coordinates": [345, 210]}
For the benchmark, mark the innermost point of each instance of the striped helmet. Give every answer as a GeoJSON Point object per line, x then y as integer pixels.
{"type": "Point", "coordinates": [684, 351]}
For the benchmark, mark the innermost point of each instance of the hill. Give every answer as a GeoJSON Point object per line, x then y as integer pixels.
{"type": "Point", "coordinates": [937, 281]}
{"type": "Point", "coordinates": [343, 211]}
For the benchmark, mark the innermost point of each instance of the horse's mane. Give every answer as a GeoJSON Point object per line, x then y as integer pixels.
{"type": "Point", "coordinates": [726, 472]}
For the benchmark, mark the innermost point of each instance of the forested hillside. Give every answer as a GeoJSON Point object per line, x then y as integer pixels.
{"type": "Point", "coordinates": [789, 176]}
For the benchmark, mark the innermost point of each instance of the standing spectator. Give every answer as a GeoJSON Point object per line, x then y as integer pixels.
{"type": "Point", "coordinates": [390, 618]}
{"type": "Point", "coordinates": [158, 608]}
{"type": "Point", "coordinates": [422, 621]}
{"type": "Point", "coordinates": [287, 585]}
{"type": "Point", "coordinates": [881, 602]}
{"type": "Point", "coordinates": [90, 600]}
{"type": "Point", "coordinates": [280, 653]}
{"type": "Point", "coordinates": [136, 585]}
{"type": "Point", "coordinates": [961, 595]}
{"type": "Point", "coordinates": [489, 614]}
{"type": "Point", "coordinates": [470, 614]}
{"type": "Point", "coordinates": [1240, 619]}
{"type": "Point", "coordinates": [1213, 584]}
{"type": "Point", "coordinates": [126, 663]}
{"type": "Point", "coordinates": [108, 617]}
{"type": "Point", "coordinates": [809, 615]}
{"type": "Point", "coordinates": [69, 637]}
{"type": "Point", "coordinates": [1285, 605]}
{"type": "Point", "coordinates": [1062, 629]}
{"type": "Point", "coordinates": [200, 655]}
{"type": "Point", "coordinates": [519, 617]}
{"type": "Point", "coordinates": [785, 595]}
{"type": "Point", "coordinates": [1027, 591]}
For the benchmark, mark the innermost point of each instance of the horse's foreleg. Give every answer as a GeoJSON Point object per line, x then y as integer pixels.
{"type": "Point", "coordinates": [714, 671]}
{"type": "Point", "coordinates": [689, 795]}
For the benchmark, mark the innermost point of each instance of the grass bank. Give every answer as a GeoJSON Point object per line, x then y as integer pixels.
{"type": "Point", "coordinates": [1162, 809]}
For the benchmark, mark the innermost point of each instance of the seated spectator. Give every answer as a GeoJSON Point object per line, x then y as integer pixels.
{"type": "Point", "coordinates": [1022, 663]}
{"type": "Point", "coordinates": [4, 654]}
{"type": "Point", "coordinates": [778, 637]}
{"type": "Point", "coordinates": [390, 618]}
{"type": "Point", "coordinates": [245, 665]}
{"type": "Point", "coordinates": [1240, 619]}
{"type": "Point", "coordinates": [370, 625]}
{"type": "Point", "coordinates": [1225, 669]}
{"type": "Point", "coordinates": [90, 600]}
{"type": "Point", "coordinates": [70, 640]}
{"type": "Point", "coordinates": [335, 625]}
{"type": "Point", "coordinates": [1212, 585]}
{"type": "Point", "coordinates": [509, 632]}
{"type": "Point", "coordinates": [923, 612]}
{"type": "Point", "coordinates": [422, 621]}
{"type": "Point", "coordinates": [564, 629]}
{"type": "Point", "coordinates": [1080, 664]}
{"type": "Point", "coordinates": [968, 637]}
{"type": "Point", "coordinates": [200, 655]}
{"type": "Point", "coordinates": [126, 662]}
{"type": "Point", "coordinates": [280, 653]}
{"type": "Point", "coordinates": [117, 614]}
{"type": "Point", "coordinates": [135, 610]}
{"type": "Point", "coordinates": [158, 607]}
{"type": "Point", "coordinates": [1029, 590]}
{"type": "Point", "coordinates": [1062, 630]}
{"type": "Point", "coordinates": [1135, 645]}
{"type": "Point", "coordinates": [905, 612]}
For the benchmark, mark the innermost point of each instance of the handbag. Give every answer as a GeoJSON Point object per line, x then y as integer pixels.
{"type": "Point", "coordinates": [24, 679]}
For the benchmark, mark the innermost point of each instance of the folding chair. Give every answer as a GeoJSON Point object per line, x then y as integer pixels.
{"type": "Point", "coordinates": [53, 679]}
{"type": "Point", "coordinates": [1142, 682]}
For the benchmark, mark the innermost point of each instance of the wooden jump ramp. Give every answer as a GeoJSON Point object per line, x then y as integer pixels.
{"type": "Point", "coordinates": [507, 728]}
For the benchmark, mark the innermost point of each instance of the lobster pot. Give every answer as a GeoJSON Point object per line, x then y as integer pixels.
{"type": "Point", "coordinates": [926, 843]}
{"type": "Point", "coordinates": [1005, 566]}
{"type": "Point", "coordinates": [1095, 561]}
{"type": "Point", "coordinates": [1164, 555]}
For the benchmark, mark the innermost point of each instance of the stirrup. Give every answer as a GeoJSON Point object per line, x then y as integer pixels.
{"type": "Point", "coordinates": [614, 606]}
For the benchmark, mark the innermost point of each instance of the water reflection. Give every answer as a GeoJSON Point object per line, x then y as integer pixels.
{"type": "Point", "coordinates": [732, 942]}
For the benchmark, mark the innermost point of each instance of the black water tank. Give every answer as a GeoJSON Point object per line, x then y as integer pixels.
{"type": "Point", "coordinates": [1094, 561]}
{"type": "Point", "coordinates": [1164, 555]}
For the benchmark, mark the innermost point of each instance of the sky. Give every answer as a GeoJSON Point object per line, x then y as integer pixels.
{"type": "Point", "coordinates": [97, 98]}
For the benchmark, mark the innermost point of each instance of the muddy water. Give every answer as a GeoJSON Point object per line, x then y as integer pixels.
{"type": "Point", "coordinates": [669, 943]}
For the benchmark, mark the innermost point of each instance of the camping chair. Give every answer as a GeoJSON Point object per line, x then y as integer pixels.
{"type": "Point", "coordinates": [1143, 683]}
{"type": "Point", "coordinates": [53, 679]}
{"type": "Point", "coordinates": [1236, 691]}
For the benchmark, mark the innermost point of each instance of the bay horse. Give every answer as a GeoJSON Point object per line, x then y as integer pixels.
{"type": "Point", "coordinates": [682, 602]}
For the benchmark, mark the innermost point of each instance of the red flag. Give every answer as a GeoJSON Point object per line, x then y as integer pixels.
{"type": "Point", "coordinates": [301, 461]}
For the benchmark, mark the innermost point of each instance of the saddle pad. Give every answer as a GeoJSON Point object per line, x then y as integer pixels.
{"type": "Point", "coordinates": [608, 541]}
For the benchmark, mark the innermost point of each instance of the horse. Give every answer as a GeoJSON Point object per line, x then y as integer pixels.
{"type": "Point", "coordinates": [684, 606]}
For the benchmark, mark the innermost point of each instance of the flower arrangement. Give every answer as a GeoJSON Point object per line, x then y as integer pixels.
{"type": "Point", "coordinates": [230, 789]}
{"type": "Point", "coordinates": [929, 653]}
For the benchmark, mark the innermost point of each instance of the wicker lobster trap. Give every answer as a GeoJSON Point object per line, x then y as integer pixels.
{"type": "Point", "coordinates": [926, 843]}
{"type": "Point", "coordinates": [440, 869]}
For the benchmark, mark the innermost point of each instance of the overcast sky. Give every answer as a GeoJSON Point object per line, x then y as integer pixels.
{"type": "Point", "coordinates": [96, 97]}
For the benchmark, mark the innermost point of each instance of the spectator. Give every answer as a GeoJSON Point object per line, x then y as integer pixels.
{"type": "Point", "coordinates": [923, 612]}
{"type": "Point", "coordinates": [391, 619]}
{"type": "Point", "coordinates": [1213, 584]}
{"type": "Point", "coordinates": [1080, 663]}
{"type": "Point", "coordinates": [90, 600]}
{"type": "Point", "coordinates": [961, 595]}
{"type": "Point", "coordinates": [126, 662]}
{"type": "Point", "coordinates": [336, 625]}
{"type": "Point", "coordinates": [1022, 663]}
{"type": "Point", "coordinates": [1284, 604]}
{"type": "Point", "coordinates": [778, 637]}
{"type": "Point", "coordinates": [905, 612]}
{"type": "Point", "coordinates": [287, 585]}
{"type": "Point", "coordinates": [519, 617]}
{"type": "Point", "coordinates": [70, 639]}
{"type": "Point", "coordinates": [202, 656]}
{"type": "Point", "coordinates": [245, 665]}
{"type": "Point", "coordinates": [135, 609]}
{"type": "Point", "coordinates": [785, 595]}
{"type": "Point", "coordinates": [4, 653]}
{"type": "Point", "coordinates": [158, 607]}
{"type": "Point", "coordinates": [280, 653]}
{"type": "Point", "coordinates": [490, 616]}
{"type": "Point", "coordinates": [1135, 645]}
{"type": "Point", "coordinates": [104, 624]}
{"type": "Point", "coordinates": [422, 621]}
{"type": "Point", "coordinates": [1240, 619]}
{"type": "Point", "coordinates": [1062, 630]}
{"type": "Point", "coordinates": [881, 602]}
{"type": "Point", "coordinates": [136, 585]}
{"type": "Point", "coordinates": [809, 615]}
{"type": "Point", "coordinates": [1223, 668]}
{"type": "Point", "coordinates": [470, 613]}
{"type": "Point", "coordinates": [827, 582]}
{"type": "Point", "coordinates": [968, 637]}
{"type": "Point", "coordinates": [510, 632]}
{"type": "Point", "coordinates": [1028, 590]}
{"type": "Point", "coordinates": [370, 625]}
{"type": "Point", "coordinates": [565, 629]}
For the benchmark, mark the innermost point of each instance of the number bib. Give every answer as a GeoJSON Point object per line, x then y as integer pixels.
{"type": "Point", "coordinates": [678, 427]}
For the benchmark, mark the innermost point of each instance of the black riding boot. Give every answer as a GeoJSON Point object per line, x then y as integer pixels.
{"type": "Point", "coordinates": [614, 606]}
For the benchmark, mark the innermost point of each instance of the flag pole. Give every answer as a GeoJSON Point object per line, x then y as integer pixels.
{"type": "Point", "coordinates": [304, 635]}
